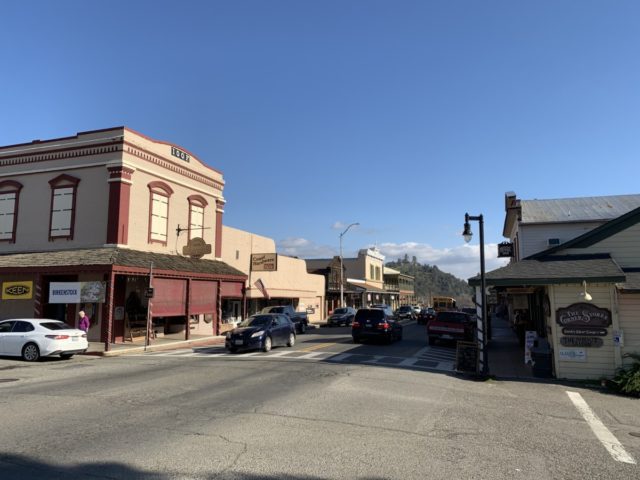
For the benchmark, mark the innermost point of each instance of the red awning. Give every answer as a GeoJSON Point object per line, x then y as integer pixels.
{"type": "Point", "coordinates": [169, 297]}
{"type": "Point", "coordinates": [203, 297]}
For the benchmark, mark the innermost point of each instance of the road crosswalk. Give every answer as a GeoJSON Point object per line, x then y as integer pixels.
{"type": "Point", "coordinates": [428, 358]}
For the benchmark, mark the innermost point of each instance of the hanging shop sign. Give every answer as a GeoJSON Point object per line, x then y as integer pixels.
{"type": "Point", "coordinates": [572, 355]}
{"type": "Point", "coordinates": [77, 292]}
{"type": "Point", "coordinates": [590, 342]}
{"type": "Point", "coordinates": [585, 331]}
{"type": "Point", "coordinates": [196, 248]}
{"type": "Point", "coordinates": [505, 249]}
{"type": "Point", "coordinates": [583, 315]}
{"type": "Point", "coordinates": [264, 262]}
{"type": "Point", "coordinates": [17, 290]}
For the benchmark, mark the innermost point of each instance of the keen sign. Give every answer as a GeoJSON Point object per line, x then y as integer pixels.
{"type": "Point", "coordinates": [17, 290]}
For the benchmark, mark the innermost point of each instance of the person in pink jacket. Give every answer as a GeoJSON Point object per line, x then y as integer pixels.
{"type": "Point", "coordinates": [85, 321]}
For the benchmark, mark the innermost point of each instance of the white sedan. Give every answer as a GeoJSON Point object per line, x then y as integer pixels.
{"type": "Point", "coordinates": [32, 338]}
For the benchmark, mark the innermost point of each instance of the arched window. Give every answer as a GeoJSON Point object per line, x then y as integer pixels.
{"type": "Point", "coordinates": [197, 205]}
{"type": "Point", "coordinates": [159, 193]}
{"type": "Point", "coordinates": [9, 197]}
{"type": "Point", "coordinates": [64, 190]}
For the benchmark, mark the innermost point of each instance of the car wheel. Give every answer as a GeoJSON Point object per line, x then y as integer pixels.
{"type": "Point", "coordinates": [431, 340]}
{"type": "Point", "coordinates": [292, 340]}
{"type": "Point", "coordinates": [66, 356]}
{"type": "Point", "coordinates": [303, 327]}
{"type": "Point", "coordinates": [267, 344]}
{"type": "Point", "coordinates": [399, 337]}
{"type": "Point", "coordinates": [30, 352]}
{"type": "Point", "coordinates": [356, 340]}
{"type": "Point", "coordinates": [232, 350]}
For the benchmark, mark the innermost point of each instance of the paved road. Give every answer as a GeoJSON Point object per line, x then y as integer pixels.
{"type": "Point", "coordinates": [335, 345]}
{"type": "Point", "coordinates": [247, 417]}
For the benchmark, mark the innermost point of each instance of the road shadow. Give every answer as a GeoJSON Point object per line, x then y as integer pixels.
{"type": "Point", "coordinates": [22, 467]}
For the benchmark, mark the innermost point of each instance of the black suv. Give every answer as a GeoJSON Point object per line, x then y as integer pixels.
{"type": "Point", "coordinates": [375, 323]}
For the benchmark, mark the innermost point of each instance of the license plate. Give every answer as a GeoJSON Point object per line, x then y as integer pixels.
{"type": "Point", "coordinates": [238, 342]}
{"type": "Point", "coordinates": [74, 339]}
{"type": "Point", "coordinates": [446, 337]}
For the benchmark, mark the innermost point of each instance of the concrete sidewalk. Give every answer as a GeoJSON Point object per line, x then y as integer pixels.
{"type": "Point", "coordinates": [116, 349]}
{"type": "Point", "coordinates": [506, 356]}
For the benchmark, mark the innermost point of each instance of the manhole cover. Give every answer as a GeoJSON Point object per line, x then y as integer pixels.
{"type": "Point", "coordinates": [634, 434]}
{"type": "Point", "coordinates": [7, 380]}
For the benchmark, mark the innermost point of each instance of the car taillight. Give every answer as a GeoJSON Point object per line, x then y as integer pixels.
{"type": "Point", "coordinates": [355, 324]}
{"type": "Point", "coordinates": [57, 337]}
{"type": "Point", "coordinates": [383, 326]}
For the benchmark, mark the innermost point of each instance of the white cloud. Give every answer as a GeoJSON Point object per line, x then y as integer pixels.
{"type": "Point", "coordinates": [303, 248]}
{"type": "Point", "coordinates": [463, 260]}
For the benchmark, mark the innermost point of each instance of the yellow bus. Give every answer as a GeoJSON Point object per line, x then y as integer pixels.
{"type": "Point", "coordinates": [442, 304]}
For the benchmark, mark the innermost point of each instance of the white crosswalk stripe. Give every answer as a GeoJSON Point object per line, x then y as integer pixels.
{"type": "Point", "coordinates": [429, 358]}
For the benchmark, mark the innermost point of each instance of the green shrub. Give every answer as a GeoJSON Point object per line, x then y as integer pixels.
{"type": "Point", "coordinates": [627, 380]}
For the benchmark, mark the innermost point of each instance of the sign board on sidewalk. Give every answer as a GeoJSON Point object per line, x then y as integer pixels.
{"type": "Point", "coordinates": [467, 357]}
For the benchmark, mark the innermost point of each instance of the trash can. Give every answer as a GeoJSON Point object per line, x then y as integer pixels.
{"type": "Point", "coordinates": [541, 358]}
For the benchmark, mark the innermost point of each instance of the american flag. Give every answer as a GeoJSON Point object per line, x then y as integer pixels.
{"type": "Point", "coordinates": [260, 286]}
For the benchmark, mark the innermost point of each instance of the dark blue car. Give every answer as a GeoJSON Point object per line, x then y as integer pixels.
{"type": "Point", "coordinates": [261, 332]}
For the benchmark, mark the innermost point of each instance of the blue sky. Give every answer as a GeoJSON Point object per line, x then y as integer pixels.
{"type": "Point", "coordinates": [399, 115]}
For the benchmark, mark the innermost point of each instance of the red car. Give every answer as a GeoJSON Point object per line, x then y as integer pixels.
{"type": "Point", "coordinates": [451, 326]}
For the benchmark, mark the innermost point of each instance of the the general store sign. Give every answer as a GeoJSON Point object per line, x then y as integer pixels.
{"type": "Point", "coordinates": [583, 315]}
{"type": "Point", "coordinates": [264, 262]}
{"type": "Point", "coordinates": [17, 290]}
{"type": "Point", "coordinates": [77, 292]}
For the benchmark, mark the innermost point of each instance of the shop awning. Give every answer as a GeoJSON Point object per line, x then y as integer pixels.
{"type": "Point", "coordinates": [632, 283]}
{"type": "Point", "coordinates": [90, 258]}
{"type": "Point", "coordinates": [555, 269]}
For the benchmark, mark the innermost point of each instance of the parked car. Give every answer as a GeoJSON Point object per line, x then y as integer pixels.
{"type": "Point", "coordinates": [416, 309]}
{"type": "Point", "coordinates": [375, 323]}
{"type": "Point", "coordinates": [261, 332]}
{"type": "Point", "coordinates": [451, 326]}
{"type": "Point", "coordinates": [299, 319]}
{"type": "Point", "coordinates": [33, 338]}
{"type": "Point", "coordinates": [341, 316]}
{"type": "Point", "coordinates": [425, 315]}
{"type": "Point", "coordinates": [405, 311]}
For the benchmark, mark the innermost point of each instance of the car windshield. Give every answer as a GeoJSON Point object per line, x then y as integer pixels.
{"type": "Point", "coordinates": [453, 317]}
{"type": "Point", "coordinates": [56, 326]}
{"type": "Point", "coordinates": [257, 321]}
{"type": "Point", "coordinates": [369, 314]}
{"type": "Point", "coordinates": [404, 309]}
{"type": "Point", "coordinates": [340, 311]}
{"type": "Point", "coordinates": [273, 310]}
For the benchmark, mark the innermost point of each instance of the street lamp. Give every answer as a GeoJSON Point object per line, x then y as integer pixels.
{"type": "Point", "coordinates": [341, 267]}
{"type": "Point", "coordinates": [482, 321]}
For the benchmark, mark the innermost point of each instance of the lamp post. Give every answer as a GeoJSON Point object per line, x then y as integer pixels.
{"type": "Point", "coordinates": [482, 321]}
{"type": "Point", "coordinates": [341, 266]}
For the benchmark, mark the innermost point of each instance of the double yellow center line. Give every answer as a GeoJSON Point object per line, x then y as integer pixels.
{"type": "Point", "coordinates": [316, 347]}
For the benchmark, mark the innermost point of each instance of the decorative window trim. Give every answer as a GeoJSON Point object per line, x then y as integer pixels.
{"type": "Point", "coordinates": [64, 181]}
{"type": "Point", "coordinates": [162, 189]}
{"type": "Point", "coordinates": [7, 187]}
{"type": "Point", "coordinates": [196, 201]}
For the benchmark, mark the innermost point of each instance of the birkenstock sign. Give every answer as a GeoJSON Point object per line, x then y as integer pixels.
{"type": "Point", "coordinates": [583, 315]}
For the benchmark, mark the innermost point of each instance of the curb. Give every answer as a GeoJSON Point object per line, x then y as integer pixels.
{"type": "Point", "coordinates": [201, 342]}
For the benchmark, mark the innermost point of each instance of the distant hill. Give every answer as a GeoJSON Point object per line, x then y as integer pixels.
{"type": "Point", "coordinates": [431, 281]}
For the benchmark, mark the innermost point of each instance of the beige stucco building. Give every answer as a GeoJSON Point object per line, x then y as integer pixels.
{"type": "Point", "coordinates": [106, 215]}
{"type": "Point", "coordinates": [284, 280]}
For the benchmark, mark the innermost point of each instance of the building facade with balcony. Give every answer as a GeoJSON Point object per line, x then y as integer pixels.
{"type": "Point", "coordinates": [123, 226]}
